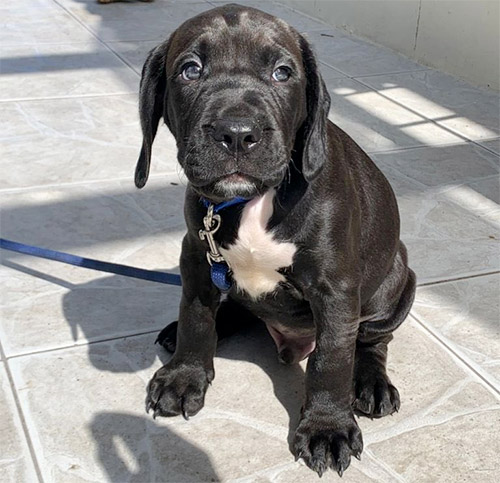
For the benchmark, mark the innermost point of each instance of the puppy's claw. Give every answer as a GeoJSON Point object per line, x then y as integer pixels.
{"type": "Point", "coordinates": [357, 456]}
{"type": "Point", "coordinates": [297, 457]}
{"type": "Point", "coordinates": [185, 415]}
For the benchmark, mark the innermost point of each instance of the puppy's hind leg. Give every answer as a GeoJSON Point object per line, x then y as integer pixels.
{"type": "Point", "coordinates": [231, 318]}
{"type": "Point", "coordinates": [375, 396]}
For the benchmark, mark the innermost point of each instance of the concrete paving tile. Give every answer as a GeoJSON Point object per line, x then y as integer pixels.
{"type": "Point", "coordinates": [106, 434]}
{"type": "Point", "coordinates": [62, 70]}
{"type": "Point", "coordinates": [434, 386]}
{"type": "Point", "coordinates": [465, 315]}
{"type": "Point", "coordinates": [378, 124]}
{"type": "Point", "coordinates": [134, 21]}
{"type": "Point", "coordinates": [440, 431]}
{"type": "Point", "coordinates": [449, 222]}
{"type": "Point", "coordinates": [15, 460]}
{"type": "Point", "coordinates": [468, 110]}
{"type": "Point", "coordinates": [299, 21]}
{"type": "Point", "coordinates": [487, 189]}
{"type": "Point", "coordinates": [86, 412]}
{"type": "Point", "coordinates": [453, 451]}
{"type": "Point", "coordinates": [76, 140]}
{"type": "Point", "coordinates": [446, 239]}
{"type": "Point", "coordinates": [356, 57]}
{"type": "Point", "coordinates": [134, 52]}
{"type": "Point", "coordinates": [493, 145]}
{"type": "Point", "coordinates": [443, 166]}
{"type": "Point", "coordinates": [328, 74]}
{"type": "Point", "coordinates": [69, 305]}
{"type": "Point", "coordinates": [39, 21]}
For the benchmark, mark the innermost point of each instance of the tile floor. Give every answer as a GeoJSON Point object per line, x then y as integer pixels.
{"type": "Point", "coordinates": [77, 346]}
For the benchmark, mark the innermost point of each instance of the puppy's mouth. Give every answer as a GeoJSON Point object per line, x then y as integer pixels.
{"type": "Point", "coordinates": [231, 186]}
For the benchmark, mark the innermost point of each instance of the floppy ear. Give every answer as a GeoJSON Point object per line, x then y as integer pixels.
{"type": "Point", "coordinates": [152, 96]}
{"type": "Point", "coordinates": [315, 151]}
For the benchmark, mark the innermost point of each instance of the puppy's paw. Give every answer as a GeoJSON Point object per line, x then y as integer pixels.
{"type": "Point", "coordinates": [375, 395]}
{"type": "Point", "coordinates": [327, 441]}
{"type": "Point", "coordinates": [178, 388]}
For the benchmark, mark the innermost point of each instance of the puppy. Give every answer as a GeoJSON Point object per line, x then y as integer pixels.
{"type": "Point", "coordinates": [286, 214]}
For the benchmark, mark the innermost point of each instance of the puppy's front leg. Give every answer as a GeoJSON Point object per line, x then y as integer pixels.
{"type": "Point", "coordinates": [179, 387]}
{"type": "Point", "coordinates": [327, 434]}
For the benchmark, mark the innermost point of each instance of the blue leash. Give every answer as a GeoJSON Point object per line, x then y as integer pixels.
{"type": "Point", "coordinates": [219, 272]}
{"type": "Point", "coordinates": [141, 273]}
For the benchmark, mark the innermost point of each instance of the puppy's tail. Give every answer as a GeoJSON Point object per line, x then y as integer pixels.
{"type": "Point", "coordinates": [387, 326]}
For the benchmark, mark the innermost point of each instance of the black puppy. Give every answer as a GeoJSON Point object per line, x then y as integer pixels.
{"type": "Point", "coordinates": [284, 212]}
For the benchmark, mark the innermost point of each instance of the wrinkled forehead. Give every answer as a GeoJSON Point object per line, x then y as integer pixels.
{"type": "Point", "coordinates": [235, 36]}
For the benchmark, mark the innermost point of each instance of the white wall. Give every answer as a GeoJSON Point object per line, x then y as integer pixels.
{"type": "Point", "coordinates": [457, 36]}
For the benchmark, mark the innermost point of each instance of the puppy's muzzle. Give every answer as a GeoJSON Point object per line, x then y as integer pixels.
{"type": "Point", "coordinates": [237, 136]}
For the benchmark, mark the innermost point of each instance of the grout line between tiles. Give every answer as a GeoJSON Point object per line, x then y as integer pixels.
{"type": "Point", "coordinates": [417, 146]}
{"type": "Point", "coordinates": [417, 26]}
{"type": "Point", "coordinates": [413, 111]}
{"type": "Point", "coordinates": [471, 366]}
{"type": "Point", "coordinates": [355, 77]}
{"type": "Point", "coordinates": [83, 343]}
{"type": "Point", "coordinates": [20, 413]}
{"type": "Point", "coordinates": [479, 141]}
{"type": "Point", "coordinates": [55, 98]}
{"type": "Point", "coordinates": [27, 189]}
{"type": "Point", "coordinates": [101, 41]}
{"type": "Point", "coordinates": [303, 14]}
{"type": "Point", "coordinates": [458, 279]}
{"type": "Point", "coordinates": [423, 69]}
{"type": "Point", "coordinates": [425, 146]}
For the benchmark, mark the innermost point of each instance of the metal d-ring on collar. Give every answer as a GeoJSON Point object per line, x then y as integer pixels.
{"type": "Point", "coordinates": [220, 270]}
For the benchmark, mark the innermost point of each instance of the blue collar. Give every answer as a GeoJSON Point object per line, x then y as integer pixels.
{"type": "Point", "coordinates": [224, 204]}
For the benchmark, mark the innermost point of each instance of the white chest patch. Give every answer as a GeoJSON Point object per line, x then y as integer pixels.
{"type": "Point", "coordinates": [256, 256]}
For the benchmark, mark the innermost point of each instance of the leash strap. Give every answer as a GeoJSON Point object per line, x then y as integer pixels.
{"type": "Point", "coordinates": [219, 269]}
{"type": "Point", "coordinates": [127, 271]}
{"type": "Point", "coordinates": [219, 273]}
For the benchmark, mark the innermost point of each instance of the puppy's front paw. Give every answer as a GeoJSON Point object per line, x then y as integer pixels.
{"type": "Point", "coordinates": [327, 441]}
{"type": "Point", "coordinates": [178, 388]}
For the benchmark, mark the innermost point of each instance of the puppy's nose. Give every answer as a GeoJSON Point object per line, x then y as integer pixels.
{"type": "Point", "coordinates": [237, 135]}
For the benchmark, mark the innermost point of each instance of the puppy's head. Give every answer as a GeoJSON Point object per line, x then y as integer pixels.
{"type": "Point", "coordinates": [242, 95]}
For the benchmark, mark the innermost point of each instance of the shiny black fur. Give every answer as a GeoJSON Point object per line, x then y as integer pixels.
{"type": "Point", "coordinates": [349, 284]}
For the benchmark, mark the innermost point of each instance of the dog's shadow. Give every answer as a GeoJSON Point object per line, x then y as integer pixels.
{"type": "Point", "coordinates": [104, 306]}
{"type": "Point", "coordinates": [153, 306]}
{"type": "Point", "coordinates": [135, 448]}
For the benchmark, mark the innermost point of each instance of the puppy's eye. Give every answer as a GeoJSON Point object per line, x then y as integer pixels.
{"type": "Point", "coordinates": [191, 72]}
{"type": "Point", "coordinates": [282, 74]}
